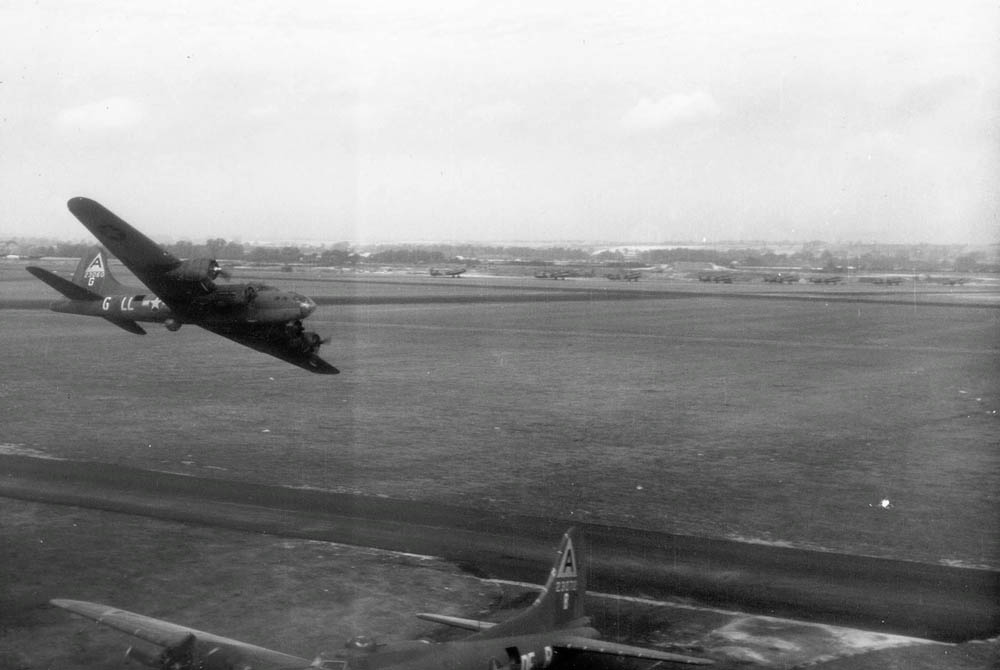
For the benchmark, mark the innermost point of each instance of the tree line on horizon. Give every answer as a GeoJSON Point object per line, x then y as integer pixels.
{"type": "Point", "coordinates": [858, 256]}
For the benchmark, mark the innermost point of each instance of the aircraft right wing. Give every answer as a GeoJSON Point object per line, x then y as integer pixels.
{"type": "Point", "coordinates": [269, 340]}
{"type": "Point", "coordinates": [588, 645]}
{"type": "Point", "coordinates": [193, 645]}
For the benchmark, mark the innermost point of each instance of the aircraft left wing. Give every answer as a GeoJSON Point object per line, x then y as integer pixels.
{"type": "Point", "coordinates": [456, 622]}
{"type": "Point", "coordinates": [181, 638]}
{"type": "Point", "coordinates": [592, 646]}
{"type": "Point", "coordinates": [145, 258]}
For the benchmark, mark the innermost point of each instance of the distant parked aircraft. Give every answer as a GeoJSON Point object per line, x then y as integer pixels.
{"type": "Point", "coordinates": [716, 277]}
{"type": "Point", "coordinates": [890, 280]}
{"type": "Point", "coordinates": [781, 278]}
{"type": "Point", "coordinates": [453, 272]}
{"type": "Point", "coordinates": [631, 275]}
{"type": "Point", "coordinates": [826, 279]}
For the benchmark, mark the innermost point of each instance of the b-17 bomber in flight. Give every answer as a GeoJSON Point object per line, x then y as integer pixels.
{"type": "Point", "coordinates": [255, 315]}
{"type": "Point", "coordinates": [552, 631]}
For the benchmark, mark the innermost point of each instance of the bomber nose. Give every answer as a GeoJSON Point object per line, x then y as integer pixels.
{"type": "Point", "coordinates": [306, 305]}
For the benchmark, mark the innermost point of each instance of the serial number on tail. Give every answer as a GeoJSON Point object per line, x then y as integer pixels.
{"type": "Point", "coordinates": [566, 586]}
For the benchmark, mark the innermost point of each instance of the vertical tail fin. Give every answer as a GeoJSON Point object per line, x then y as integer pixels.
{"type": "Point", "coordinates": [561, 601]}
{"type": "Point", "coordinates": [94, 274]}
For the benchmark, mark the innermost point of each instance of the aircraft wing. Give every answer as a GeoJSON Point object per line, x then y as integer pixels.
{"type": "Point", "coordinates": [144, 257]}
{"type": "Point", "coordinates": [265, 341]}
{"type": "Point", "coordinates": [456, 622]}
{"type": "Point", "coordinates": [171, 636]}
{"type": "Point", "coordinates": [588, 645]}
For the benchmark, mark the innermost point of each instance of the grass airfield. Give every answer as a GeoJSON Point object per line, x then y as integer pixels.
{"type": "Point", "coordinates": [770, 420]}
{"type": "Point", "coordinates": [783, 415]}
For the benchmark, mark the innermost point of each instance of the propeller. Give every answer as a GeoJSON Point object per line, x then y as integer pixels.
{"type": "Point", "coordinates": [311, 341]}
{"type": "Point", "coordinates": [186, 655]}
{"type": "Point", "coordinates": [321, 663]}
{"type": "Point", "coordinates": [180, 656]}
{"type": "Point", "coordinates": [216, 271]}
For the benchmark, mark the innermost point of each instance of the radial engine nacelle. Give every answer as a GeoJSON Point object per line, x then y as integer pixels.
{"type": "Point", "coordinates": [197, 270]}
{"type": "Point", "coordinates": [188, 655]}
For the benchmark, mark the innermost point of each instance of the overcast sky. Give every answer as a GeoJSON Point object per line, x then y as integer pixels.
{"type": "Point", "coordinates": [616, 121]}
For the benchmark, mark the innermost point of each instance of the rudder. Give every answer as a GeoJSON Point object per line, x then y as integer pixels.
{"type": "Point", "coordinates": [562, 599]}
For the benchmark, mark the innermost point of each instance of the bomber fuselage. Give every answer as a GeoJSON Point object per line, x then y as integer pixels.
{"type": "Point", "coordinates": [533, 652]}
{"type": "Point", "coordinates": [228, 303]}
{"type": "Point", "coordinates": [128, 307]}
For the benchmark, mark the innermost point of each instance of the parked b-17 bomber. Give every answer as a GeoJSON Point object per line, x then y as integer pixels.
{"type": "Point", "coordinates": [563, 274]}
{"type": "Point", "coordinates": [716, 277]}
{"type": "Point", "coordinates": [552, 631]}
{"type": "Point", "coordinates": [781, 278]}
{"type": "Point", "coordinates": [255, 315]}
{"type": "Point", "coordinates": [451, 272]}
{"type": "Point", "coordinates": [631, 275]}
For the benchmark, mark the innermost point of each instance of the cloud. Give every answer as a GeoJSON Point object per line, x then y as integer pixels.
{"type": "Point", "coordinates": [651, 115]}
{"type": "Point", "coordinates": [107, 114]}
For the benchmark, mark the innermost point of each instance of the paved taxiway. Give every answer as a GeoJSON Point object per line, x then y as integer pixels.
{"type": "Point", "coordinates": [908, 598]}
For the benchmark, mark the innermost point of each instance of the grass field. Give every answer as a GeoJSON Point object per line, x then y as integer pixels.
{"type": "Point", "coordinates": [775, 420]}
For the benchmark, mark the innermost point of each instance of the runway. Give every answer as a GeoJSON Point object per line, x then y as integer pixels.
{"type": "Point", "coordinates": [889, 596]}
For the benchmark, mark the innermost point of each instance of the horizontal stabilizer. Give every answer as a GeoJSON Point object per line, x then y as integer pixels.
{"type": "Point", "coordinates": [466, 624]}
{"type": "Point", "coordinates": [130, 326]}
{"type": "Point", "coordinates": [64, 286]}
{"type": "Point", "coordinates": [583, 644]}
